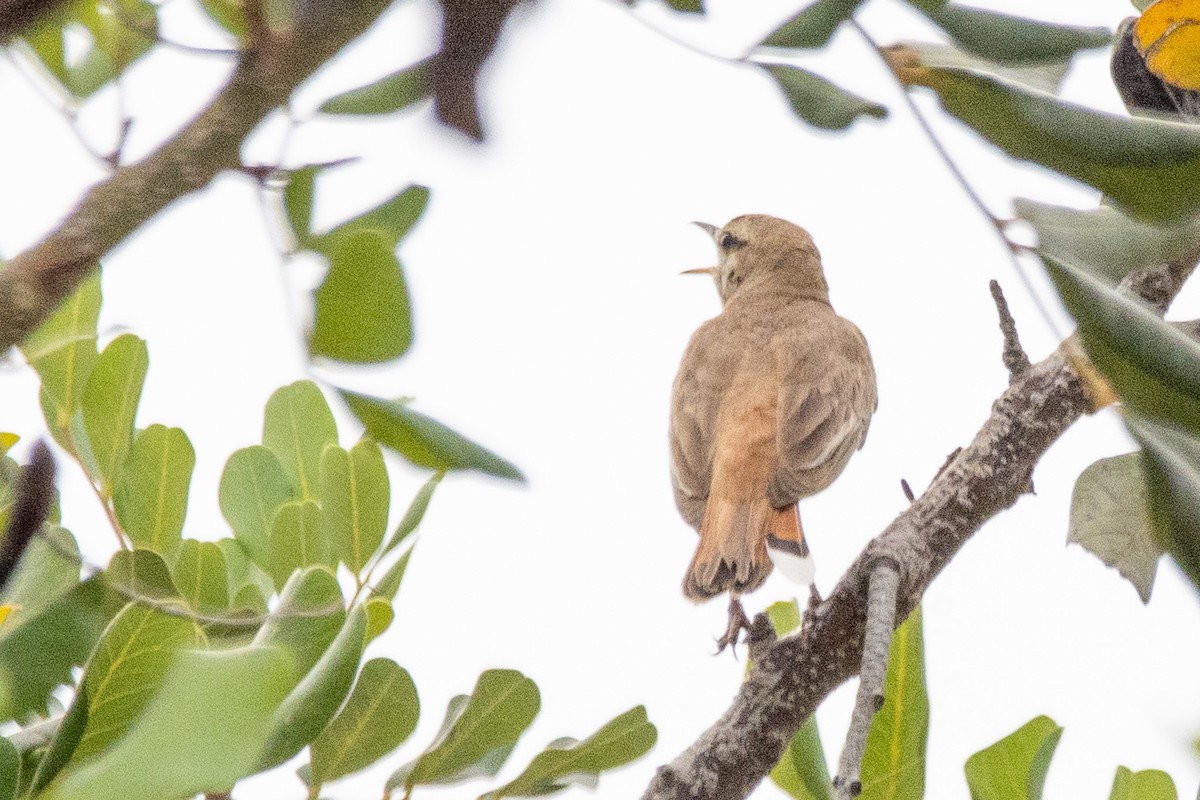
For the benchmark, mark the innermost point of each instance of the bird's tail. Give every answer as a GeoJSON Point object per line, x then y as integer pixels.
{"type": "Point", "coordinates": [733, 551]}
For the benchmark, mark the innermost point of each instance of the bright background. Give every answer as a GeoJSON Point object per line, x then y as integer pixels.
{"type": "Point", "coordinates": [549, 322]}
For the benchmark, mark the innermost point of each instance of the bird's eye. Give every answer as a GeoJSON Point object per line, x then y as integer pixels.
{"type": "Point", "coordinates": [729, 241]}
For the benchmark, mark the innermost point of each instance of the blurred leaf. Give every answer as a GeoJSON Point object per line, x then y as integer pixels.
{"type": "Point", "coordinates": [1005, 38]}
{"type": "Point", "coordinates": [355, 494]}
{"type": "Point", "coordinates": [819, 102]}
{"type": "Point", "coordinates": [308, 618]}
{"type": "Point", "coordinates": [310, 706]}
{"type": "Point", "coordinates": [415, 513]}
{"type": "Point", "coordinates": [1105, 241]}
{"type": "Point", "coordinates": [253, 487]}
{"type": "Point", "coordinates": [1147, 784]}
{"type": "Point", "coordinates": [7, 440]}
{"type": "Point", "coordinates": [379, 616]}
{"type": "Point", "coordinates": [893, 765]}
{"type": "Point", "coordinates": [296, 427]}
{"type": "Point", "coordinates": [479, 734]}
{"type": "Point", "coordinates": [393, 218]}
{"type": "Point", "coordinates": [63, 351]}
{"type": "Point", "coordinates": [47, 571]}
{"type": "Point", "coordinates": [10, 770]}
{"type": "Point", "coordinates": [1168, 37]}
{"type": "Point", "coordinates": [381, 713]}
{"type": "Point", "coordinates": [199, 573]}
{"type": "Point", "coordinates": [62, 747]}
{"type": "Point", "coordinates": [297, 540]}
{"type": "Point", "coordinates": [1110, 518]}
{"type": "Point", "coordinates": [152, 492]}
{"type": "Point", "coordinates": [128, 667]}
{"type": "Point", "coordinates": [422, 440]}
{"type": "Point", "coordinates": [1046, 76]}
{"type": "Point", "coordinates": [141, 574]}
{"type": "Point", "coordinates": [568, 762]}
{"type": "Point", "coordinates": [298, 201]}
{"type": "Point", "coordinates": [242, 574]}
{"type": "Point", "coordinates": [389, 584]}
{"type": "Point", "coordinates": [387, 95]}
{"type": "Point", "coordinates": [110, 402]}
{"type": "Point", "coordinates": [362, 308]}
{"type": "Point", "coordinates": [203, 731]}
{"type": "Point", "coordinates": [228, 14]}
{"type": "Point", "coordinates": [1149, 166]}
{"type": "Point", "coordinates": [813, 25]}
{"type": "Point", "coordinates": [1014, 768]}
{"type": "Point", "coordinates": [687, 6]}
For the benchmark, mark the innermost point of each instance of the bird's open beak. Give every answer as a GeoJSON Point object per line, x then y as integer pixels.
{"type": "Point", "coordinates": [711, 230]}
{"type": "Point", "coordinates": [710, 271]}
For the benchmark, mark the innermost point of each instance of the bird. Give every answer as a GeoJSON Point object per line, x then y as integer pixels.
{"type": "Point", "coordinates": [772, 397]}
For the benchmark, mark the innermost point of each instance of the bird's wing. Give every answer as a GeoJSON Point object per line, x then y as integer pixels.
{"type": "Point", "coordinates": [826, 399]}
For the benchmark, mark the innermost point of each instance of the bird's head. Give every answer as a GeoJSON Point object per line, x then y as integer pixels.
{"type": "Point", "coordinates": [756, 249]}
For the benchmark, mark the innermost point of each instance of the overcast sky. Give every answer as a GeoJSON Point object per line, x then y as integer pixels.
{"type": "Point", "coordinates": [550, 318]}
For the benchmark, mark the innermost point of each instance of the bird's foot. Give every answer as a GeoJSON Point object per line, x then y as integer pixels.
{"type": "Point", "coordinates": [738, 622]}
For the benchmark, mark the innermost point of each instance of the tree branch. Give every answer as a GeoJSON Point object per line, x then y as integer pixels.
{"type": "Point", "coordinates": [33, 283]}
{"type": "Point", "coordinates": [792, 678]}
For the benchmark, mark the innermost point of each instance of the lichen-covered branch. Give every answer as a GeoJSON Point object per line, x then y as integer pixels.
{"type": "Point", "coordinates": [34, 282]}
{"type": "Point", "coordinates": [791, 678]}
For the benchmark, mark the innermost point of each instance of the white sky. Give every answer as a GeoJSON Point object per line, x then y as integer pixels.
{"type": "Point", "coordinates": [549, 322]}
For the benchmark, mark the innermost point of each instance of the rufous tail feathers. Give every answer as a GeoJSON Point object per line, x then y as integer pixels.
{"type": "Point", "coordinates": [739, 542]}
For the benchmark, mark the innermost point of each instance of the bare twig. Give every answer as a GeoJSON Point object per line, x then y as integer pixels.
{"type": "Point", "coordinates": [908, 492]}
{"type": "Point", "coordinates": [1015, 359]}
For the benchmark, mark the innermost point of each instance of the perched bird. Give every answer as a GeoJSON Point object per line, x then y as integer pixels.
{"type": "Point", "coordinates": [773, 396]}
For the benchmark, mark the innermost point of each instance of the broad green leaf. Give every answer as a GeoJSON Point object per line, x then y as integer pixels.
{"type": "Point", "coordinates": [1105, 241]}
{"type": "Point", "coordinates": [10, 770]}
{"type": "Point", "coordinates": [355, 493]}
{"type": "Point", "coordinates": [422, 440]}
{"type": "Point", "coordinates": [1111, 518]}
{"type": "Point", "coordinates": [297, 540]}
{"type": "Point", "coordinates": [1014, 768]}
{"type": "Point", "coordinates": [313, 702]}
{"type": "Point", "coordinates": [229, 14]}
{"type": "Point", "coordinates": [38, 654]}
{"type": "Point", "coordinates": [415, 513]}
{"type": "Point", "coordinates": [1146, 784]}
{"type": "Point", "coordinates": [381, 713]}
{"type": "Point", "coordinates": [568, 762]}
{"type": "Point", "coordinates": [1006, 38]}
{"type": "Point", "coordinates": [200, 575]}
{"type": "Point", "coordinates": [387, 95]}
{"type": "Point", "coordinates": [109, 405]}
{"type": "Point", "coordinates": [481, 735]}
{"type": "Point", "coordinates": [454, 710]}
{"type": "Point", "coordinates": [389, 584]}
{"type": "Point", "coordinates": [393, 218]}
{"type": "Point", "coordinates": [893, 765]}
{"type": "Point", "coordinates": [1153, 366]}
{"type": "Point", "coordinates": [63, 351]}
{"type": "Point", "coordinates": [128, 667]}
{"type": "Point", "coordinates": [151, 494]}
{"type": "Point", "coordinates": [362, 309]}
{"type": "Point", "coordinates": [379, 616]}
{"type": "Point", "coordinates": [1150, 167]}
{"type": "Point", "coordinates": [1172, 461]}
{"type": "Point", "coordinates": [296, 427]}
{"type": "Point", "coordinates": [62, 747]}
{"type": "Point", "coordinates": [242, 573]}
{"type": "Point", "coordinates": [820, 102]}
{"type": "Point", "coordinates": [309, 616]}
{"type": "Point", "coordinates": [202, 732]}
{"type": "Point", "coordinates": [48, 570]}
{"type": "Point", "coordinates": [142, 575]}
{"type": "Point", "coordinates": [253, 487]}
{"type": "Point", "coordinates": [813, 25]}
{"type": "Point", "coordinates": [298, 201]}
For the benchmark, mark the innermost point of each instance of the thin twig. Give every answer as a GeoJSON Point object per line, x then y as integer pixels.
{"type": "Point", "coordinates": [1014, 357]}
{"type": "Point", "coordinates": [686, 45]}
{"type": "Point", "coordinates": [908, 492]}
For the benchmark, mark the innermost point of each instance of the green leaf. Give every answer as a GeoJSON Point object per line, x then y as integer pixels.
{"type": "Point", "coordinates": [297, 540]}
{"type": "Point", "coordinates": [893, 765]}
{"type": "Point", "coordinates": [687, 6]}
{"type": "Point", "coordinates": [379, 616]}
{"type": "Point", "coordinates": [389, 94]}
{"type": "Point", "coordinates": [63, 351]}
{"type": "Point", "coordinates": [202, 732]}
{"type": "Point", "coordinates": [10, 770]}
{"type": "Point", "coordinates": [1006, 38]}
{"type": "Point", "coordinates": [1147, 784]}
{"type": "Point", "coordinates": [127, 669]}
{"type": "Point", "coordinates": [298, 201]}
{"type": "Point", "coordinates": [1172, 462]}
{"type": "Point", "coordinates": [813, 25]}
{"type": "Point", "coordinates": [38, 655]}
{"type": "Point", "coordinates": [478, 734]}
{"type": "Point", "coordinates": [818, 101]}
{"type": "Point", "coordinates": [253, 487]}
{"type": "Point", "coordinates": [415, 513]}
{"type": "Point", "coordinates": [200, 575]}
{"type": "Point", "coordinates": [362, 308]}
{"type": "Point", "coordinates": [141, 575]}
{"type": "Point", "coordinates": [1047, 77]}
{"type": "Point", "coordinates": [247, 584]}
{"type": "Point", "coordinates": [1014, 768]}
{"type": "Point", "coordinates": [389, 584]}
{"type": "Point", "coordinates": [110, 402]}
{"type": "Point", "coordinates": [1105, 241]}
{"type": "Point", "coordinates": [48, 570]}
{"type": "Point", "coordinates": [311, 705]}
{"type": "Point", "coordinates": [392, 218]}
{"type": "Point", "coordinates": [309, 616]}
{"type": "Point", "coordinates": [1111, 518]}
{"type": "Point", "coordinates": [422, 440]}
{"type": "Point", "coordinates": [567, 762]}
{"type": "Point", "coordinates": [151, 494]}
{"type": "Point", "coordinates": [228, 14]}
{"type": "Point", "coordinates": [1148, 166]}
{"type": "Point", "coordinates": [355, 494]}
{"type": "Point", "coordinates": [296, 427]}
{"type": "Point", "coordinates": [381, 713]}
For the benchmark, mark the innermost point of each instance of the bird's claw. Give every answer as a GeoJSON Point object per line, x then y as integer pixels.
{"type": "Point", "coordinates": [738, 622]}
